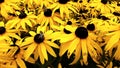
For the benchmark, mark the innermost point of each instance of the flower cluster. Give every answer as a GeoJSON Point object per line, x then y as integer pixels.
{"type": "Point", "coordinates": [69, 32]}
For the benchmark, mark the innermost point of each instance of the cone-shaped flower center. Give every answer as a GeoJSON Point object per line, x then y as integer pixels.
{"type": "Point", "coordinates": [22, 15]}
{"type": "Point", "coordinates": [48, 12]}
{"type": "Point", "coordinates": [2, 30]}
{"type": "Point", "coordinates": [69, 23]}
{"type": "Point", "coordinates": [104, 1]}
{"type": "Point", "coordinates": [63, 1]}
{"type": "Point", "coordinates": [39, 38]}
{"type": "Point", "coordinates": [1, 1]}
{"type": "Point", "coordinates": [91, 27]}
{"type": "Point", "coordinates": [67, 31]}
{"type": "Point", "coordinates": [81, 32]}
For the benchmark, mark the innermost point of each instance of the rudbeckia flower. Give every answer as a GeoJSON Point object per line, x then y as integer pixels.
{"type": "Point", "coordinates": [24, 18]}
{"type": "Point", "coordinates": [7, 6]}
{"type": "Point", "coordinates": [14, 57]}
{"type": "Point", "coordinates": [6, 32]}
{"type": "Point", "coordinates": [114, 39]}
{"type": "Point", "coordinates": [65, 7]}
{"type": "Point", "coordinates": [38, 3]}
{"type": "Point", "coordinates": [80, 43]}
{"type": "Point", "coordinates": [47, 17]}
{"type": "Point", "coordinates": [39, 44]}
{"type": "Point", "coordinates": [103, 7]}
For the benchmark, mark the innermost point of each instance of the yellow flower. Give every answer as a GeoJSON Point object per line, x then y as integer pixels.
{"type": "Point", "coordinates": [47, 18]}
{"type": "Point", "coordinates": [103, 7]}
{"type": "Point", "coordinates": [7, 6]}
{"type": "Point", "coordinates": [39, 44]}
{"type": "Point", "coordinates": [38, 3]}
{"type": "Point", "coordinates": [114, 39]}
{"type": "Point", "coordinates": [77, 42]}
{"type": "Point", "coordinates": [24, 18]}
{"type": "Point", "coordinates": [65, 7]}
{"type": "Point", "coordinates": [6, 32]}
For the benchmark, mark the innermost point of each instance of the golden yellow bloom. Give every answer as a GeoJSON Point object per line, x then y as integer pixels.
{"type": "Point", "coordinates": [65, 7]}
{"type": "Point", "coordinates": [102, 5]}
{"type": "Point", "coordinates": [79, 41]}
{"type": "Point", "coordinates": [7, 6]}
{"type": "Point", "coordinates": [6, 32]}
{"type": "Point", "coordinates": [38, 3]}
{"type": "Point", "coordinates": [39, 44]}
{"type": "Point", "coordinates": [24, 18]}
{"type": "Point", "coordinates": [47, 17]}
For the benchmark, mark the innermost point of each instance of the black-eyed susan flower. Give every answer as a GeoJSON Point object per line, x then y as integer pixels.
{"type": "Point", "coordinates": [47, 17]}
{"type": "Point", "coordinates": [80, 43]}
{"type": "Point", "coordinates": [114, 39]}
{"type": "Point", "coordinates": [103, 7]}
{"type": "Point", "coordinates": [7, 6]}
{"type": "Point", "coordinates": [38, 3]}
{"type": "Point", "coordinates": [65, 7]}
{"type": "Point", "coordinates": [39, 44]}
{"type": "Point", "coordinates": [24, 18]}
{"type": "Point", "coordinates": [6, 32]}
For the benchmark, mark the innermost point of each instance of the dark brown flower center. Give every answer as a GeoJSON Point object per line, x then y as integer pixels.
{"type": "Point", "coordinates": [39, 38]}
{"type": "Point", "coordinates": [2, 30]}
{"type": "Point", "coordinates": [1, 1]}
{"type": "Point", "coordinates": [48, 12]}
{"type": "Point", "coordinates": [63, 1]}
{"type": "Point", "coordinates": [69, 23]}
{"type": "Point", "coordinates": [104, 1]}
{"type": "Point", "coordinates": [81, 32]}
{"type": "Point", "coordinates": [91, 27]}
{"type": "Point", "coordinates": [22, 15]}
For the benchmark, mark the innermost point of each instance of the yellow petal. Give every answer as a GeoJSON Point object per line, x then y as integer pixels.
{"type": "Point", "coordinates": [41, 55]}
{"type": "Point", "coordinates": [44, 52]}
{"type": "Point", "coordinates": [73, 46]}
{"type": "Point", "coordinates": [50, 51]}
{"type": "Point", "coordinates": [21, 63]}
{"type": "Point", "coordinates": [84, 51]}
{"type": "Point", "coordinates": [2, 24]}
{"type": "Point", "coordinates": [114, 39]}
{"type": "Point", "coordinates": [49, 32]}
{"type": "Point", "coordinates": [61, 11]}
{"type": "Point", "coordinates": [77, 54]}
{"type": "Point", "coordinates": [32, 33]}
{"type": "Point", "coordinates": [63, 48]}
{"type": "Point", "coordinates": [31, 60]}
{"type": "Point", "coordinates": [14, 35]}
{"type": "Point", "coordinates": [27, 41]}
{"type": "Point", "coordinates": [52, 44]}
{"type": "Point", "coordinates": [29, 51]}
{"type": "Point", "coordinates": [29, 23]}
{"type": "Point", "coordinates": [66, 38]}
{"type": "Point", "coordinates": [59, 65]}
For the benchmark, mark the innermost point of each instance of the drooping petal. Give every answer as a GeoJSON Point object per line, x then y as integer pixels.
{"type": "Point", "coordinates": [43, 50]}
{"type": "Point", "coordinates": [29, 51]}
{"type": "Point", "coordinates": [21, 63]}
{"type": "Point", "coordinates": [114, 39]}
{"type": "Point", "coordinates": [73, 46]}
{"type": "Point", "coordinates": [50, 51]}
{"type": "Point", "coordinates": [84, 51]}
{"type": "Point", "coordinates": [77, 54]}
